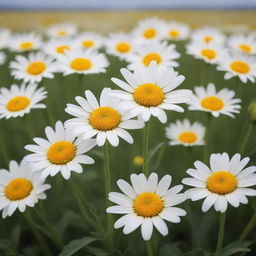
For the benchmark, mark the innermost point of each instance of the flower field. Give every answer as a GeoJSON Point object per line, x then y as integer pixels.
{"type": "Point", "coordinates": [138, 143]}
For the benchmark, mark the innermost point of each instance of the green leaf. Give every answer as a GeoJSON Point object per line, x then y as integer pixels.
{"type": "Point", "coordinates": [96, 251]}
{"type": "Point", "coordinates": [171, 249]}
{"type": "Point", "coordinates": [235, 247]}
{"type": "Point", "coordinates": [198, 252]}
{"type": "Point", "coordinates": [75, 245]}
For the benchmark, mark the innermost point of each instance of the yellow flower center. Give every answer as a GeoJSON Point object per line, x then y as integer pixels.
{"type": "Point", "coordinates": [138, 160]}
{"type": "Point", "coordinates": [212, 103]}
{"type": "Point", "coordinates": [150, 57]}
{"type": "Point", "coordinates": [188, 137]}
{"type": "Point", "coordinates": [61, 152]}
{"type": "Point", "coordinates": [104, 118]}
{"type": "Point", "coordinates": [221, 183]}
{"type": "Point", "coordinates": [81, 64]}
{"type": "Point", "coordinates": [148, 95]}
{"type": "Point", "coordinates": [36, 68]}
{"type": "Point", "coordinates": [209, 54]}
{"type": "Point", "coordinates": [88, 43]}
{"type": "Point", "coordinates": [207, 39]}
{"type": "Point", "coordinates": [17, 103]}
{"type": "Point", "coordinates": [62, 33]}
{"type": "Point", "coordinates": [62, 48]}
{"type": "Point", "coordinates": [18, 189]}
{"type": "Point", "coordinates": [240, 67]}
{"type": "Point", "coordinates": [26, 45]}
{"type": "Point", "coordinates": [174, 33]}
{"type": "Point", "coordinates": [148, 204]}
{"type": "Point", "coordinates": [245, 48]}
{"type": "Point", "coordinates": [149, 33]}
{"type": "Point", "coordinates": [123, 47]}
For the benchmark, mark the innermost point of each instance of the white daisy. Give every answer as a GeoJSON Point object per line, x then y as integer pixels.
{"type": "Point", "coordinates": [176, 31]}
{"type": "Point", "coordinates": [105, 119]}
{"type": "Point", "coordinates": [208, 35]}
{"type": "Point", "coordinates": [164, 55]}
{"type": "Point", "coordinates": [25, 42]}
{"type": "Point", "coordinates": [209, 52]}
{"type": "Point", "coordinates": [147, 203]}
{"type": "Point", "coordinates": [82, 62]}
{"type": "Point", "coordinates": [119, 44]}
{"type": "Point", "coordinates": [62, 152]}
{"type": "Point", "coordinates": [149, 29]}
{"type": "Point", "coordinates": [19, 188]}
{"type": "Point", "coordinates": [2, 58]}
{"type": "Point", "coordinates": [209, 100]}
{"type": "Point", "coordinates": [89, 40]}
{"type": "Point", "coordinates": [61, 30]}
{"type": "Point", "coordinates": [56, 47]}
{"type": "Point", "coordinates": [237, 65]}
{"type": "Point", "coordinates": [18, 101]}
{"type": "Point", "coordinates": [151, 90]}
{"type": "Point", "coordinates": [185, 133]}
{"type": "Point", "coordinates": [226, 181]}
{"type": "Point", "coordinates": [4, 37]}
{"type": "Point", "coordinates": [242, 44]}
{"type": "Point", "coordinates": [33, 68]}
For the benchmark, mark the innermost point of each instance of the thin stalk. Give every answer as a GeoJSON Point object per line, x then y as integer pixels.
{"type": "Point", "coordinates": [146, 148]}
{"type": "Point", "coordinates": [28, 127]}
{"type": "Point", "coordinates": [249, 227]}
{"type": "Point", "coordinates": [160, 156]}
{"type": "Point", "coordinates": [246, 138]}
{"type": "Point", "coordinates": [207, 137]}
{"type": "Point", "coordinates": [3, 149]}
{"type": "Point", "coordinates": [51, 231]}
{"type": "Point", "coordinates": [38, 235]}
{"type": "Point", "coordinates": [107, 176]}
{"type": "Point", "coordinates": [221, 232]}
{"type": "Point", "coordinates": [149, 246]}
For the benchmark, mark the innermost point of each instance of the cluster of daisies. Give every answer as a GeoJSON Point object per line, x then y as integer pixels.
{"type": "Point", "coordinates": [149, 88]}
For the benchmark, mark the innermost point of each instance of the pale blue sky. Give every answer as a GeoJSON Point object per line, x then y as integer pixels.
{"type": "Point", "coordinates": [125, 4]}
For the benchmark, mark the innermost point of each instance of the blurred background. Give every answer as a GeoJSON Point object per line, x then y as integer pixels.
{"type": "Point", "coordinates": [108, 15]}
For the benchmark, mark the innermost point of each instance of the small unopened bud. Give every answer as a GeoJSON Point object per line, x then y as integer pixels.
{"type": "Point", "coordinates": [252, 111]}
{"type": "Point", "coordinates": [138, 160]}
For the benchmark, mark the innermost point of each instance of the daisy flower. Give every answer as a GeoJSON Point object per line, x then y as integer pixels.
{"type": "Point", "coordinates": [242, 44]}
{"type": "Point", "coordinates": [224, 182]}
{"type": "Point", "coordinates": [185, 133]}
{"type": "Point", "coordinates": [56, 47]}
{"type": "Point", "coordinates": [151, 90]}
{"type": "Point", "coordinates": [176, 31]}
{"type": "Point", "coordinates": [237, 65]}
{"type": "Point", "coordinates": [61, 30]}
{"type": "Point", "coordinates": [18, 101]}
{"type": "Point", "coordinates": [19, 188]}
{"type": "Point", "coordinates": [4, 38]}
{"type": "Point", "coordinates": [160, 52]}
{"type": "Point", "coordinates": [62, 152]}
{"type": "Point", "coordinates": [208, 52]}
{"type": "Point", "coordinates": [33, 68]}
{"type": "Point", "coordinates": [82, 62]}
{"type": "Point", "coordinates": [119, 44]}
{"type": "Point", "coordinates": [208, 35]}
{"type": "Point", "coordinates": [25, 42]}
{"type": "Point", "coordinates": [149, 29]}
{"type": "Point", "coordinates": [105, 119]}
{"type": "Point", "coordinates": [147, 203]}
{"type": "Point", "coordinates": [2, 58]}
{"type": "Point", "coordinates": [209, 100]}
{"type": "Point", "coordinates": [89, 40]}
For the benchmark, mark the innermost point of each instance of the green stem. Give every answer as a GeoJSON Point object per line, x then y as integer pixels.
{"type": "Point", "coordinates": [221, 232]}
{"type": "Point", "coordinates": [52, 233]}
{"type": "Point", "coordinates": [207, 137]}
{"type": "Point", "coordinates": [160, 156]}
{"type": "Point", "coordinates": [38, 235]}
{"type": "Point", "coordinates": [249, 227]}
{"type": "Point", "coordinates": [246, 138]}
{"type": "Point", "coordinates": [3, 148]}
{"type": "Point", "coordinates": [146, 149]}
{"type": "Point", "coordinates": [28, 127]}
{"type": "Point", "coordinates": [107, 177]}
{"type": "Point", "coordinates": [149, 246]}
{"type": "Point", "coordinates": [82, 204]}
